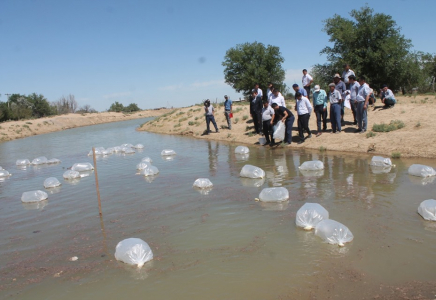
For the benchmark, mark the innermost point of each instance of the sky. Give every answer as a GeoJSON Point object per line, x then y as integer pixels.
{"type": "Point", "coordinates": [167, 52]}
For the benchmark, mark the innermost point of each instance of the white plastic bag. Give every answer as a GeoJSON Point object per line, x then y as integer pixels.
{"type": "Point", "coordinates": [51, 182]}
{"type": "Point", "coordinates": [262, 141]}
{"type": "Point", "coordinates": [313, 165]}
{"type": "Point", "coordinates": [147, 159]}
{"type": "Point", "coordinates": [167, 152]}
{"type": "Point", "coordinates": [39, 160]}
{"type": "Point", "coordinates": [150, 171]}
{"type": "Point", "coordinates": [70, 174]}
{"type": "Point", "coordinates": [333, 232]}
{"type": "Point", "coordinates": [142, 165]}
{"type": "Point", "coordinates": [4, 173]}
{"type": "Point", "coordinates": [117, 149]}
{"type": "Point", "coordinates": [203, 183]}
{"type": "Point", "coordinates": [242, 150]}
{"type": "Point", "coordinates": [34, 196]}
{"type": "Point", "coordinates": [279, 131]}
{"type": "Point", "coordinates": [139, 146]}
{"type": "Point", "coordinates": [133, 251]}
{"type": "Point", "coordinates": [421, 171]}
{"type": "Point", "coordinates": [379, 161]}
{"type": "Point", "coordinates": [127, 150]}
{"type": "Point", "coordinates": [275, 194]}
{"type": "Point", "coordinates": [252, 172]}
{"type": "Point", "coordinates": [98, 151]}
{"type": "Point", "coordinates": [310, 214]}
{"type": "Point", "coordinates": [427, 209]}
{"type": "Point", "coordinates": [80, 167]}
{"type": "Point", "coordinates": [127, 146]}
{"type": "Point", "coordinates": [22, 162]}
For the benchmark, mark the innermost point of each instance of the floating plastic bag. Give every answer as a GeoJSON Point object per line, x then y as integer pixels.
{"type": "Point", "coordinates": [313, 165]}
{"type": "Point", "coordinates": [427, 209]}
{"type": "Point", "coordinates": [242, 150]}
{"type": "Point", "coordinates": [133, 251]}
{"type": "Point", "coordinates": [421, 171]}
{"type": "Point", "coordinates": [22, 162]}
{"type": "Point", "coordinates": [127, 145]}
{"type": "Point", "coordinates": [70, 174]}
{"type": "Point", "coordinates": [275, 194]}
{"type": "Point", "coordinates": [110, 150]}
{"type": "Point", "coordinates": [310, 214]}
{"type": "Point", "coordinates": [139, 146]}
{"type": "Point", "coordinates": [380, 170]}
{"type": "Point", "coordinates": [147, 159]}
{"type": "Point", "coordinates": [203, 183]}
{"type": "Point", "coordinates": [262, 141]}
{"type": "Point", "coordinates": [142, 165]}
{"type": "Point", "coordinates": [117, 149]}
{"type": "Point", "coordinates": [34, 196]}
{"type": "Point", "coordinates": [333, 232]}
{"type": "Point", "coordinates": [279, 131]}
{"type": "Point", "coordinates": [51, 182]}
{"type": "Point", "coordinates": [98, 151]}
{"type": "Point", "coordinates": [167, 152]}
{"type": "Point", "coordinates": [150, 171]}
{"type": "Point", "coordinates": [4, 173]}
{"type": "Point", "coordinates": [252, 172]}
{"type": "Point", "coordinates": [127, 150]}
{"type": "Point", "coordinates": [39, 161]}
{"type": "Point", "coordinates": [53, 161]}
{"type": "Point", "coordinates": [80, 167]}
{"type": "Point", "coordinates": [379, 161]}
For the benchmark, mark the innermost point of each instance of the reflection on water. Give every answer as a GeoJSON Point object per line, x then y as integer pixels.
{"type": "Point", "coordinates": [217, 243]}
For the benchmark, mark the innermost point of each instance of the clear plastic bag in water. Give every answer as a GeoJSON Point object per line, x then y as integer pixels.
{"type": "Point", "coordinates": [39, 160]}
{"type": "Point", "coordinates": [150, 171]}
{"type": "Point", "coordinates": [421, 171]}
{"type": "Point", "coordinates": [142, 165]}
{"type": "Point", "coordinates": [133, 251]}
{"type": "Point", "coordinates": [98, 151]}
{"type": "Point", "coordinates": [147, 159]}
{"type": "Point", "coordinates": [34, 196]}
{"type": "Point", "coordinates": [310, 214]}
{"type": "Point", "coordinates": [275, 194]}
{"type": "Point", "coordinates": [139, 146]}
{"type": "Point", "coordinates": [4, 173]}
{"type": "Point", "coordinates": [252, 172]}
{"type": "Point", "coordinates": [313, 165]}
{"type": "Point", "coordinates": [167, 152]}
{"type": "Point", "coordinates": [80, 167]}
{"type": "Point", "coordinates": [203, 183]}
{"type": "Point", "coordinates": [127, 150]}
{"type": "Point", "coordinates": [22, 162]}
{"type": "Point", "coordinates": [51, 182]}
{"type": "Point", "coordinates": [333, 232]}
{"type": "Point", "coordinates": [379, 161]}
{"type": "Point", "coordinates": [279, 131]}
{"type": "Point", "coordinates": [117, 149]}
{"type": "Point", "coordinates": [242, 150]}
{"type": "Point", "coordinates": [127, 146]}
{"type": "Point", "coordinates": [427, 209]}
{"type": "Point", "coordinates": [70, 174]}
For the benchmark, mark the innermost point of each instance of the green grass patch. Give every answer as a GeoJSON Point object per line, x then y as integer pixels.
{"type": "Point", "coordinates": [396, 155]}
{"type": "Point", "coordinates": [393, 125]}
{"type": "Point", "coordinates": [370, 134]}
{"type": "Point", "coordinates": [191, 123]}
{"type": "Point", "coordinates": [322, 149]}
{"type": "Point", "coordinates": [245, 117]}
{"type": "Point", "coordinates": [177, 125]}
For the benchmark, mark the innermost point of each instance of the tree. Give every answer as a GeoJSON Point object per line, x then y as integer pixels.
{"type": "Point", "coordinates": [131, 107]}
{"type": "Point", "coordinates": [371, 44]}
{"type": "Point", "coordinates": [40, 105]}
{"type": "Point", "coordinates": [86, 109]}
{"type": "Point", "coordinates": [117, 107]}
{"type": "Point", "coordinates": [251, 63]}
{"type": "Point", "coordinates": [66, 105]}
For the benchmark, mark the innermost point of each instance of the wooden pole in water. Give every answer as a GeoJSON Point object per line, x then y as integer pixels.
{"type": "Point", "coordinates": [96, 182]}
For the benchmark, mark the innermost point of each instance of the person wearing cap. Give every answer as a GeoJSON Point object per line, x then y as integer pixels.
{"type": "Point", "coordinates": [387, 97]}
{"type": "Point", "coordinates": [335, 108]}
{"type": "Point", "coordinates": [354, 88]}
{"type": "Point", "coordinates": [256, 111]}
{"type": "Point", "coordinates": [320, 108]}
{"type": "Point", "coordinates": [228, 106]}
{"type": "Point", "coordinates": [284, 115]}
{"type": "Point", "coordinates": [304, 109]}
{"type": "Point", "coordinates": [267, 113]}
{"type": "Point", "coordinates": [297, 89]}
{"type": "Point", "coordinates": [259, 91]}
{"type": "Point", "coordinates": [276, 97]}
{"type": "Point", "coordinates": [209, 116]}
{"type": "Point", "coordinates": [363, 94]}
{"type": "Point", "coordinates": [346, 75]}
{"type": "Point", "coordinates": [340, 86]}
{"type": "Point", "coordinates": [307, 81]}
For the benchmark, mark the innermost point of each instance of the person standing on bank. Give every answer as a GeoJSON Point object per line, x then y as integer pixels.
{"type": "Point", "coordinates": [320, 108]}
{"type": "Point", "coordinates": [256, 111]}
{"type": "Point", "coordinates": [297, 89]}
{"type": "Point", "coordinates": [307, 81]}
{"type": "Point", "coordinates": [340, 86]}
{"type": "Point", "coordinates": [363, 94]}
{"type": "Point", "coordinates": [259, 91]}
{"type": "Point", "coordinates": [335, 108]}
{"type": "Point", "coordinates": [228, 106]}
{"type": "Point", "coordinates": [267, 114]}
{"type": "Point", "coordinates": [304, 109]}
{"type": "Point", "coordinates": [387, 97]}
{"type": "Point", "coordinates": [346, 75]}
{"type": "Point", "coordinates": [284, 115]}
{"type": "Point", "coordinates": [269, 90]}
{"type": "Point", "coordinates": [354, 88]}
{"type": "Point", "coordinates": [276, 97]}
{"type": "Point", "coordinates": [209, 110]}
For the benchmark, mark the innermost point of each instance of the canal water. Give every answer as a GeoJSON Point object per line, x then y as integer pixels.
{"type": "Point", "coordinates": [217, 244]}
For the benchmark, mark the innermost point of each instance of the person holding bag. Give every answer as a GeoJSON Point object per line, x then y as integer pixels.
{"type": "Point", "coordinates": [287, 118]}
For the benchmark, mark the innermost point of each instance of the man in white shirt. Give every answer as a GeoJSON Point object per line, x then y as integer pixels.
{"type": "Point", "coordinates": [259, 91]}
{"type": "Point", "coordinates": [346, 74]}
{"type": "Point", "coordinates": [335, 108]}
{"type": "Point", "coordinates": [362, 98]}
{"type": "Point", "coordinates": [277, 97]}
{"type": "Point", "coordinates": [304, 109]}
{"type": "Point", "coordinates": [307, 81]}
{"type": "Point", "coordinates": [388, 97]}
{"type": "Point", "coordinates": [269, 91]}
{"type": "Point", "coordinates": [354, 88]}
{"type": "Point", "coordinates": [267, 113]}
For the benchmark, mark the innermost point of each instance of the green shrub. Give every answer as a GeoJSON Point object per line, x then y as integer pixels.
{"type": "Point", "coordinates": [182, 120]}
{"type": "Point", "coordinates": [370, 134]}
{"type": "Point", "coordinates": [396, 155]}
{"type": "Point", "coordinates": [236, 120]}
{"type": "Point", "coordinates": [418, 124]}
{"type": "Point", "coordinates": [191, 123]}
{"type": "Point", "coordinates": [322, 149]}
{"type": "Point", "coordinates": [245, 117]}
{"type": "Point", "coordinates": [177, 125]}
{"type": "Point", "coordinates": [393, 125]}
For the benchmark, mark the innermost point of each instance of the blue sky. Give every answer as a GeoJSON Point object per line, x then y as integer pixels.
{"type": "Point", "coordinates": [160, 53]}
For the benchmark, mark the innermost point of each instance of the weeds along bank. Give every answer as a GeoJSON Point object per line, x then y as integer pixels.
{"type": "Point", "coordinates": [407, 130]}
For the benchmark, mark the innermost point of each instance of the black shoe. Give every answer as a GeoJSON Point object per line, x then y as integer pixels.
{"type": "Point", "coordinates": [266, 144]}
{"type": "Point", "coordinates": [309, 136]}
{"type": "Point", "coordinates": [217, 131]}
{"type": "Point", "coordinates": [272, 144]}
{"type": "Point", "coordinates": [355, 123]}
{"type": "Point", "coordinates": [358, 130]}
{"type": "Point", "coordinates": [324, 129]}
{"type": "Point", "coordinates": [300, 142]}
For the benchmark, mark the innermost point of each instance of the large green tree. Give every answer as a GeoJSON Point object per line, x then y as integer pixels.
{"type": "Point", "coordinates": [251, 63]}
{"type": "Point", "coordinates": [371, 43]}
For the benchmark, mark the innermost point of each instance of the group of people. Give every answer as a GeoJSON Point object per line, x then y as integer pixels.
{"type": "Point", "coordinates": [344, 91]}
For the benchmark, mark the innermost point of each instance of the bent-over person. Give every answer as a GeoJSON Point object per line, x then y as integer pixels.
{"type": "Point", "coordinates": [282, 114]}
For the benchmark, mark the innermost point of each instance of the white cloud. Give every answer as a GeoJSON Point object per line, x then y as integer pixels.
{"type": "Point", "coordinates": [117, 95]}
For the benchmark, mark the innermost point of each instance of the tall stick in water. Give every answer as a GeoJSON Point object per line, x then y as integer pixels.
{"type": "Point", "coordinates": [96, 182]}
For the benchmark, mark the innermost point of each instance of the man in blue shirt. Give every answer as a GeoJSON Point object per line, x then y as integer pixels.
{"type": "Point", "coordinates": [387, 97]}
{"type": "Point", "coordinates": [320, 108]}
{"type": "Point", "coordinates": [228, 110]}
{"type": "Point", "coordinates": [297, 89]}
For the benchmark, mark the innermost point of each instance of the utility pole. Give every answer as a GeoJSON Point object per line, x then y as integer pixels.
{"type": "Point", "coordinates": [7, 95]}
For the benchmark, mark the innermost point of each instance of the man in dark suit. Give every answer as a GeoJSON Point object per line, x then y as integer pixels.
{"type": "Point", "coordinates": [256, 111]}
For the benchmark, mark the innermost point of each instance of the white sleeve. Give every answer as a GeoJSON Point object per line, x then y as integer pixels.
{"type": "Point", "coordinates": [309, 77]}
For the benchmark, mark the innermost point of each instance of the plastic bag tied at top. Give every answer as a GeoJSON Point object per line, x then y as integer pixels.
{"type": "Point", "coordinates": [279, 131]}
{"type": "Point", "coordinates": [275, 194]}
{"type": "Point", "coordinates": [333, 232]}
{"type": "Point", "coordinates": [133, 251]}
{"type": "Point", "coordinates": [310, 214]}
{"type": "Point", "coordinates": [51, 182]}
{"type": "Point", "coordinates": [34, 196]}
{"type": "Point", "coordinates": [242, 150]}
{"type": "Point", "coordinates": [379, 161]}
{"type": "Point", "coordinates": [421, 171]}
{"type": "Point", "coordinates": [150, 171]}
{"type": "Point", "coordinates": [81, 167]}
{"type": "Point", "coordinates": [203, 183]}
{"type": "Point", "coordinates": [70, 174]}
{"type": "Point", "coordinates": [167, 152]}
{"type": "Point", "coordinates": [252, 172]}
{"type": "Point", "coordinates": [427, 209]}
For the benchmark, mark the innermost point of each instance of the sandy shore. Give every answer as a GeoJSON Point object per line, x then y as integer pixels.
{"type": "Point", "coordinates": [20, 129]}
{"type": "Point", "coordinates": [416, 139]}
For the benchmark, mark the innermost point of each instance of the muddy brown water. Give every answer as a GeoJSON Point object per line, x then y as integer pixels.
{"type": "Point", "coordinates": [218, 244]}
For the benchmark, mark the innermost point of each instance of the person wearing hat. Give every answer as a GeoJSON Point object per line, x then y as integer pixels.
{"type": "Point", "coordinates": [307, 81]}
{"type": "Point", "coordinates": [335, 108]}
{"type": "Point", "coordinates": [340, 86]}
{"type": "Point", "coordinates": [297, 89]}
{"type": "Point", "coordinates": [320, 108]}
{"type": "Point", "coordinates": [388, 97]}
{"type": "Point", "coordinates": [209, 116]}
{"type": "Point", "coordinates": [228, 110]}
{"type": "Point", "coordinates": [354, 88]}
{"type": "Point", "coordinates": [363, 94]}
{"type": "Point", "coordinates": [346, 75]}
